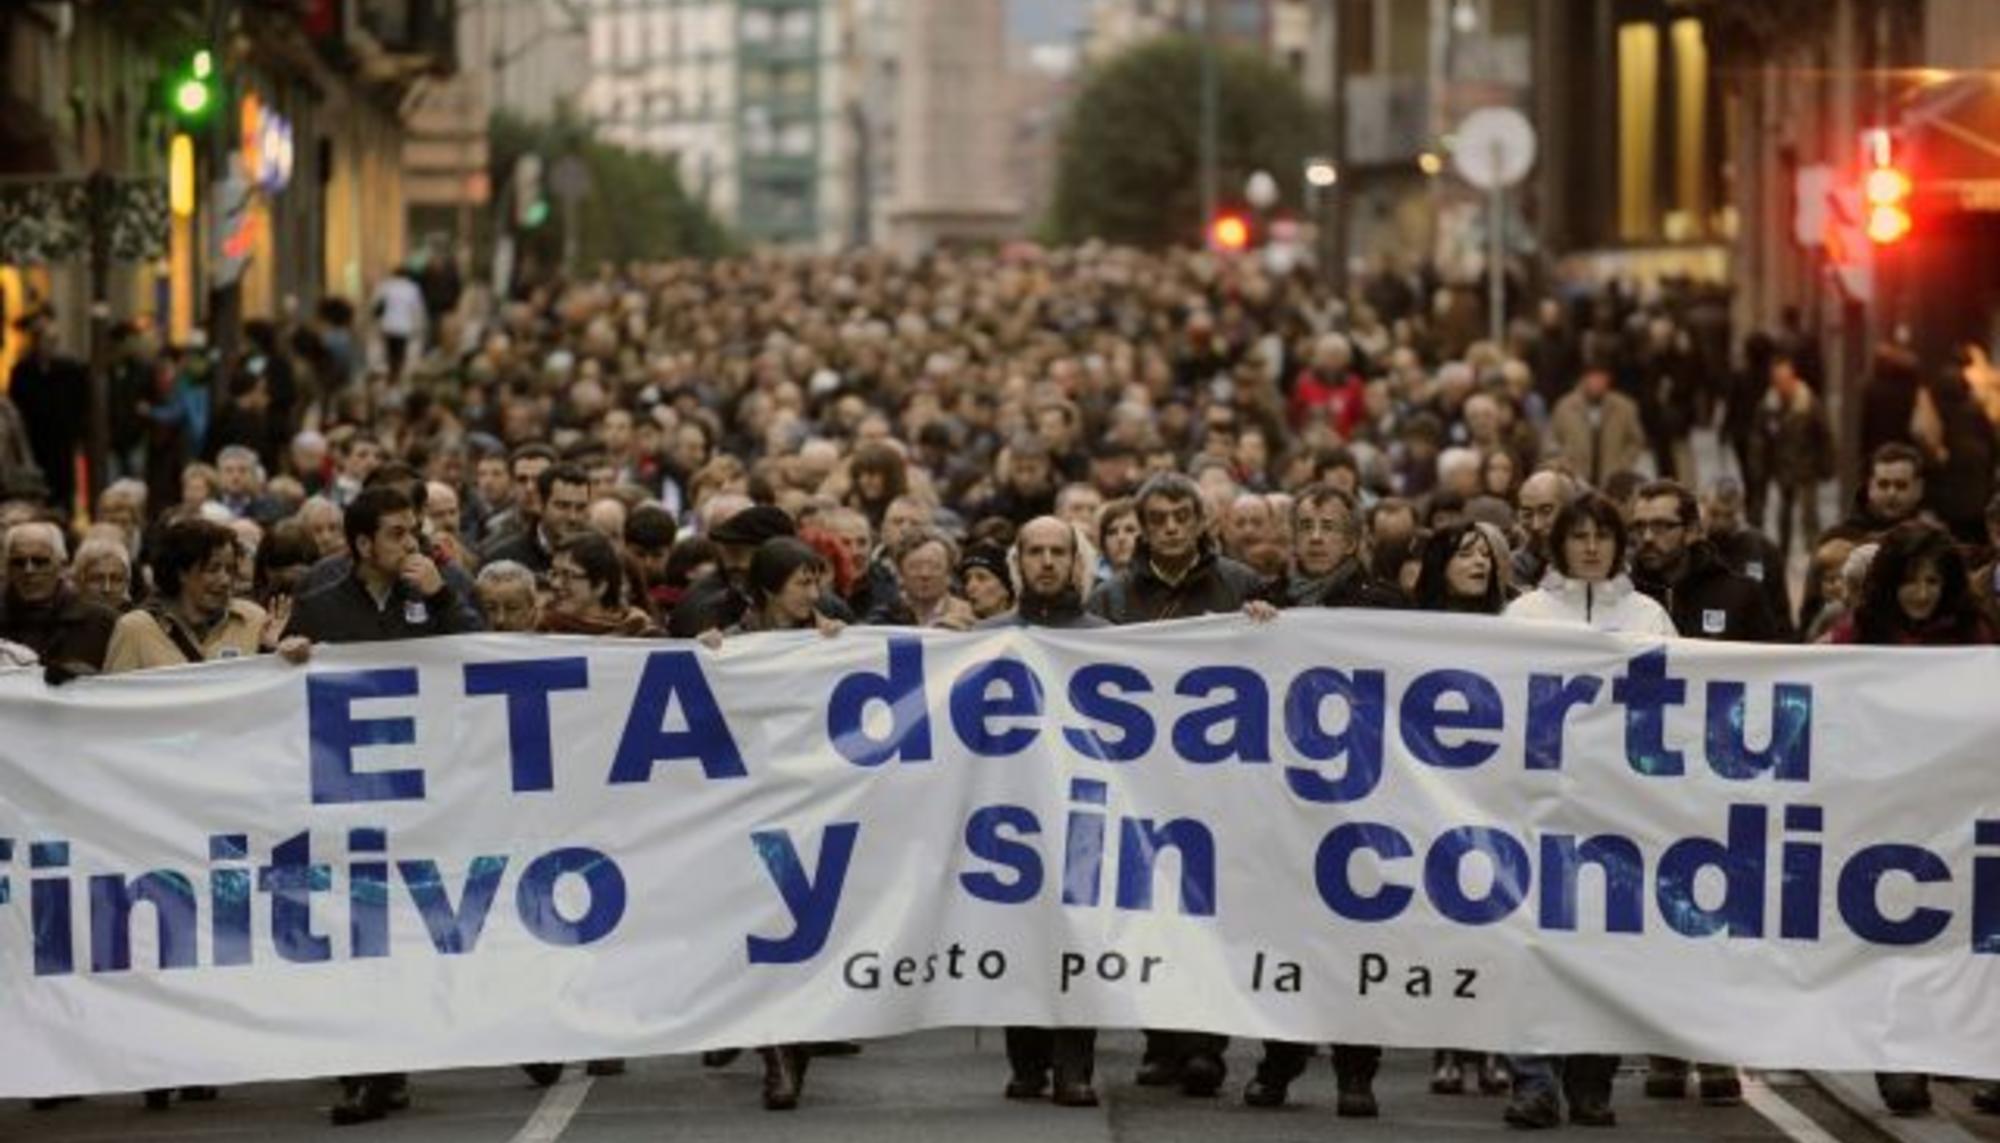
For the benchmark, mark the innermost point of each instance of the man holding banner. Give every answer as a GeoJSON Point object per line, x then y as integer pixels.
{"type": "Point", "coordinates": [391, 591]}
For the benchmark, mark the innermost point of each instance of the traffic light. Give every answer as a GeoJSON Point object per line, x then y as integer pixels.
{"type": "Point", "coordinates": [1230, 232]}
{"type": "Point", "coordinates": [192, 89]}
{"type": "Point", "coordinates": [1885, 191]}
{"type": "Point", "coordinates": [531, 199]}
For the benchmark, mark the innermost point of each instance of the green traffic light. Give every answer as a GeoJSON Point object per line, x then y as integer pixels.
{"type": "Point", "coordinates": [204, 64]}
{"type": "Point", "coordinates": [191, 97]}
{"type": "Point", "coordinates": [538, 213]}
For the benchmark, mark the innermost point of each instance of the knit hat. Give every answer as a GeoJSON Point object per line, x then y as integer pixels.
{"type": "Point", "coordinates": [992, 559]}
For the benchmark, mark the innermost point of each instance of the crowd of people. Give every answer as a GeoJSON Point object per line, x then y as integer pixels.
{"type": "Point", "coordinates": [1077, 438]}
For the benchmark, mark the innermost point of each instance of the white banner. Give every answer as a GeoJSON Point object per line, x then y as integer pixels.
{"type": "Point", "coordinates": [1401, 829]}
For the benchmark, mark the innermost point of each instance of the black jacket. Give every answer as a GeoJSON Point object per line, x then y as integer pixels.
{"type": "Point", "coordinates": [523, 546]}
{"type": "Point", "coordinates": [1349, 585]}
{"type": "Point", "coordinates": [1752, 554]}
{"type": "Point", "coordinates": [344, 612]}
{"type": "Point", "coordinates": [1711, 602]}
{"type": "Point", "coordinates": [68, 633]}
{"type": "Point", "coordinates": [1064, 611]}
{"type": "Point", "coordinates": [1215, 583]}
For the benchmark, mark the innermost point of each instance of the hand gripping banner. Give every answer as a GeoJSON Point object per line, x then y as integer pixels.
{"type": "Point", "coordinates": [1372, 827]}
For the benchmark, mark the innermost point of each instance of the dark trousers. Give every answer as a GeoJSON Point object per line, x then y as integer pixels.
{"type": "Point", "coordinates": [1070, 1052]}
{"type": "Point", "coordinates": [1179, 1046]}
{"type": "Point", "coordinates": [1354, 1065]}
{"type": "Point", "coordinates": [1585, 1079]}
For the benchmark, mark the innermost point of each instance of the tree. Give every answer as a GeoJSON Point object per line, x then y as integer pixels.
{"type": "Point", "coordinates": [638, 209]}
{"type": "Point", "coordinates": [1129, 166]}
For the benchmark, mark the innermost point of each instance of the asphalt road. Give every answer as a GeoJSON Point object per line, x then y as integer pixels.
{"type": "Point", "coordinates": [935, 1086]}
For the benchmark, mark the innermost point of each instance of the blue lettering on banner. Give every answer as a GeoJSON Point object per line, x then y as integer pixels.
{"type": "Point", "coordinates": [1359, 740]}
{"type": "Point", "coordinates": [535, 896]}
{"type": "Point", "coordinates": [901, 689]}
{"type": "Point", "coordinates": [975, 706]}
{"type": "Point", "coordinates": [526, 686]}
{"type": "Point", "coordinates": [335, 734]}
{"type": "Point", "coordinates": [1646, 691]}
{"type": "Point", "coordinates": [1424, 715]}
{"type": "Point", "coordinates": [672, 676]}
{"type": "Point", "coordinates": [1246, 714]}
{"type": "Point", "coordinates": [1135, 727]}
{"type": "Point", "coordinates": [811, 901]}
{"type": "Point", "coordinates": [1860, 888]}
{"type": "Point", "coordinates": [984, 839]}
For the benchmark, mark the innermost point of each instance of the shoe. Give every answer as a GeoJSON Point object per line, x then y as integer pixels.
{"type": "Point", "coordinates": [1357, 1104]}
{"type": "Point", "coordinates": [1074, 1093]}
{"type": "Point", "coordinates": [1532, 1112]}
{"type": "Point", "coordinates": [1904, 1093]}
{"type": "Point", "coordinates": [544, 1075]}
{"type": "Point", "coordinates": [720, 1057]}
{"type": "Point", "coordinates": [1261, 1092]}
{"type": "Point", "coordinates": [784, 1075]}
{"type": "Point", "coordinates": [50, 1103]}
{"type": "Point", "coordinates": [608, 1067]}
{"type": "Point", "coordinates": [1493, 1077]}
{"type": "Point", "coordinates": [1158, 1073]}
{"type": "Point", "coordinates": [365, 1102]}
{"type": "Point", "coordinates": [1986, 1097]}
{"type": "Point", "coordinates": [1720, 1087]}
{"type": "Point", "coordinates": [397, 1091]}
{"type": "Point", "coordinates": [1592, 1115]}
{"type": "Point", "coordinates": [1449, 1078]}
{"type": "Point", "coordinates": [1201, 1076]}
{"type": "Point", "coordinates": [159, 1099]}
{"type": "Point", "coordinates": [201, 1093]}
{"type": "Point", "coordinates": [1028, 1085]}
{"type": "Point", "coordinates": [1666, 1079]}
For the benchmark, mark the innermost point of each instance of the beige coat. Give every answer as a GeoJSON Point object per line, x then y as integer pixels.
{"type": "Point", "coordinates": [139, 643]}
{"type": "Point", "coordinates": [1617, 442]}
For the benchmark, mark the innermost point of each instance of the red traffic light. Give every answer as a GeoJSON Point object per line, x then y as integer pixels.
{"type": "Point", "coordinates": [1229, 232]}
{"type": "Point", "coordinates": [1885, 190]}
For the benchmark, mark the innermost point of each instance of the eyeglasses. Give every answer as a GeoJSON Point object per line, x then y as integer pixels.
{"type": "Point", "coordinates": [31, 563]}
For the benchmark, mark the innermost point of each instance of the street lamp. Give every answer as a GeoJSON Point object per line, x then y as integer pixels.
{"type": "Point", "coordinates": [1261, 191]}
{"type": "Point", "coordinates": [1321, 173]}
{"type": "Point", "coordinates": [1464, 18]}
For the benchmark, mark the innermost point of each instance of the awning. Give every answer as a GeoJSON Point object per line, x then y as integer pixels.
{"type": "Point", "coordinates": [1951, 136]}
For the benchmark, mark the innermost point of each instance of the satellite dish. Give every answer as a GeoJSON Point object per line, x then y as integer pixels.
{"type": "Point", "coordinates": [1494, 148]}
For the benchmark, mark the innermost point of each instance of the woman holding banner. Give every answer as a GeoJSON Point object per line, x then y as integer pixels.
{"type": "Point", "coordinates": [1588, 586]}
{"type": "Point", "coordinates": [785, 581]}
{"type": "Point", "coordinates": [1918, 594]}
{"type": "Point", "coordinates": [193, 619]}
{"type": "Point", "coordinates": [1463, 570]}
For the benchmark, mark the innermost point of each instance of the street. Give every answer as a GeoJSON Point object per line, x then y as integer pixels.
{"type": "Point", "coordinates": [931, 1086]}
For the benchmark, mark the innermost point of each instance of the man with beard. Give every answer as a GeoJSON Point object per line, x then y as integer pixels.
{"type": "Point", "coordinates": [1679, 569]}
{"type": "Point", "coordinates": [1050, 564]}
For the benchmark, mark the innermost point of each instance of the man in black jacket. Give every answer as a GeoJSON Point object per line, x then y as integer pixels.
{"type": "Point", "coordinates": [392, 591]}
{"type": "Point", "coordinates": [1680, 570]}
{"type": "Point", "coordinates": [1176, 573]}
{"type": "Point", "coordinates": [1744, 549]}
{"type": "Point", "coordinates": [1051, 570]}
{"type": "Point", "coordinates": [40, 612]}
{"type": "Point", "coordinates": [1327, 571]}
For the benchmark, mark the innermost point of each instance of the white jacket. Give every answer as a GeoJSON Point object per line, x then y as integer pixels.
{"type": "Point", "coordinates": [1614, 605]}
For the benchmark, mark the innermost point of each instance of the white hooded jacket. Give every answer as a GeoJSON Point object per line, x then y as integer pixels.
{"type": "Point", "coordinates": [1613, 605]}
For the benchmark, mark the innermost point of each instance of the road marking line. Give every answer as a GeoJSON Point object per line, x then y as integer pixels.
{"type": "Point", "coordinates": [552, 1116]}
{"type": "Point", "coordinates": [1768, 1103]}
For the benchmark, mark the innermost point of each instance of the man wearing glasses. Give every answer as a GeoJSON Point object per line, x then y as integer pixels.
{"type": "Point", "coordinates": [1680, 570]}
{"type": "Point", "coordinates": [41, 612]}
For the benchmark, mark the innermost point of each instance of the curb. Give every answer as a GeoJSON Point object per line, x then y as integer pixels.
{"type": "Point", "coordinates": [1855, 1091]}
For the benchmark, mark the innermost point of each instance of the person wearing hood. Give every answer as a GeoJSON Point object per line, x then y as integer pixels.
{"type": "Point", "coordinates": [1052, 568]}
{"type": "Point", "coordinates": [1176, 571]}
{"type": "Point", "coordinates": [1588, 588]}
{"type": "Point", "coordinates": [1680, 570]}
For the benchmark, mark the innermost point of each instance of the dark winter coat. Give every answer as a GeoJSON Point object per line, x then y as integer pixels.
{"type": "Point", "coordinates": [1214, 583]}
{"type": "Point", "coordinates": [1709, 601]}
